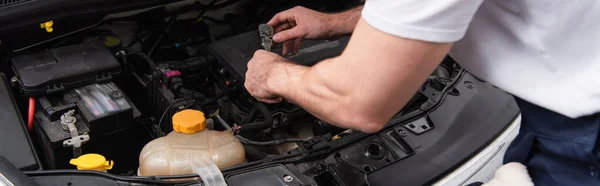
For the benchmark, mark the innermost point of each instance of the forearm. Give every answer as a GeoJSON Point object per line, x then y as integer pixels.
{"type": "Point", "coordinates": [326, 95]}
{"type": "Point", "coordinates": [343, 23]}
{"type": "Point", "coordinates": [364, 87]}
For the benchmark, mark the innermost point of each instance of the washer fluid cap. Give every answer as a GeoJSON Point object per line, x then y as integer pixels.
{"type": "Point", "coordinates": [189, 121]}
{"type": "Point", "coordinates": [92, 162]}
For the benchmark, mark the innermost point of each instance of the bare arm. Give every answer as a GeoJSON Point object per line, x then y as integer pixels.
{"type": "Point", "coordinates": [364, 87]}
{"type": "Point", "coordinates": [343, 23]}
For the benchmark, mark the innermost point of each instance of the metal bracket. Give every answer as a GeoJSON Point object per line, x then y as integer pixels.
{"type": "Point", "coordinates": [68, 122]}
{"type": "Point", "coordinates": [76, 141]}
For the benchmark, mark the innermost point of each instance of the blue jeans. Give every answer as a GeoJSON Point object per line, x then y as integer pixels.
{"type": "Point", "coordinates": [557, 150]}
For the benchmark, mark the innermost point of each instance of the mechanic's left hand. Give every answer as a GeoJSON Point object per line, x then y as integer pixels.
{"type": "Point", "coordinates": [260, 78]}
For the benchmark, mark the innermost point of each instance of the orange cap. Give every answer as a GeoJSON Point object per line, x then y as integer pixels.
{"type": "Point", "coordinates": [189, 121]}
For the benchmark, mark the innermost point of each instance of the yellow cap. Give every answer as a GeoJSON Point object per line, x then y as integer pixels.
{"type": "Point", "coordinates": [92, 162]}
{"type": "Point", "coordinates": [189, 121]}
{"type": "Point", "coordinates": [112, 41]}
{"type": "Point", "coordinates": [48, 26]}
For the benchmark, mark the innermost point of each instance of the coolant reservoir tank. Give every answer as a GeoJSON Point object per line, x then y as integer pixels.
{"type": "Point", "coordinates": [190, 145]}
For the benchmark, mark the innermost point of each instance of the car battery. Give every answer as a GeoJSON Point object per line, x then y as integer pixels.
{"type": "Point", "coordinates": [95, 112]}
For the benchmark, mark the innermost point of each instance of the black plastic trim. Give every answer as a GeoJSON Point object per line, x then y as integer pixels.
{"type": "Point", "coordinates": [440, 156]}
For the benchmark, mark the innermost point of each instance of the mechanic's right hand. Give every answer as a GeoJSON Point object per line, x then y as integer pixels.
{"type": "Point", "coordinates": [295, 24]}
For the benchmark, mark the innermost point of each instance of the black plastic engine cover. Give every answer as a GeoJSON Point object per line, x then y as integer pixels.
{"type": "Point", "coordinates": [66, 67]}
{"type": "Point", "coordinates": [235, 52]}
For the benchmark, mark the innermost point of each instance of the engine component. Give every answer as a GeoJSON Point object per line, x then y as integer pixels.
{"type": "Point", "coordinates": [189, 145]}
{"type": "Point", "coordinates": [105, 107]}
{"type": "Point", "coordinates": [321, 127]}
{"type": "Point", "coordinates": [235, 52]}
{"type": "Point", "coordinates": [14, 139]}
{"type": "Point", "coordinates": [68, 123]}
{"type": "Point", "coordinates": [72, 118]}
{"type": "Point", "coordinates": [259, 125]}
{"type": "Point", "coordinates": [63, 68]}
{"type": "Point", "coordinates": [92, 161]}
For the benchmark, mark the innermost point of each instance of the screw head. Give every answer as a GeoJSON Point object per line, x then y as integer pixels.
{"type": "Point", "coordinates": [288, 178]}
{"type": "Point", "coordinates": [403, 133]}
{"type": "Point", "coordinates": [469, 84]}
{"type": "Point", "coordinates": [117, 94]}
{"type": "Point", "coordinates": [14, 80]}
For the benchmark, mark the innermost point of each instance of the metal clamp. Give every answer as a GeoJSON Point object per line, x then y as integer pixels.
{"type": "Point", "coordinates": [68, 122]}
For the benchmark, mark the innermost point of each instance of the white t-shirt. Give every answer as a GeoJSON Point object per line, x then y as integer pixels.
{"type": "Point", "coordinates": [544, 51]}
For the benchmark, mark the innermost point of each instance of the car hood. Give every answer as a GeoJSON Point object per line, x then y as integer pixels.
{"type": "Point", "coordinates": [15, 14]}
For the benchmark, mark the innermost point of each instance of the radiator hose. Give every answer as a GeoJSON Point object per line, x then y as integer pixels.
{"type": "Point", "coordinates": [259, 125]}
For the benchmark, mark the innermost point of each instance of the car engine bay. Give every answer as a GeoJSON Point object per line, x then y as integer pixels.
{"type": "Point", "coordinates": [129, 87]}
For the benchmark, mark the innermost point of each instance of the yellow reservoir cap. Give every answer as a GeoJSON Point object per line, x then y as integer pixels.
{"type": "Point", "coordinates": [189, 121]}
{"type": "Point", "coordinates": [95, 162]}
{"type": "Point", "coordinates": [48, 26]}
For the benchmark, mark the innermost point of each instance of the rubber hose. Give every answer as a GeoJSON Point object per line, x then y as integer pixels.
{"type": "Point", "coordinates": [260, 125]}
{"type": "Point", "coordinates": [223, 123]}
{"type": "Point", "coordinates": [253, 154]}
{"type": "Point", "coordinates": [194, 94]}
{"type": "Point", "coordinates": [142, 56]}
{"type": "Point", "coordinates": [251, 115]}
{"type": "Point", "coordinates": [246, 141]}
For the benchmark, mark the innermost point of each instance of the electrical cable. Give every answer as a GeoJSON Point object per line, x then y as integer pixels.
{"type": "Point", "coordinates": [206, 8]}
{"type": "Point", "coordinates": [140, 38]}
{"type": "Point", "coordinates": [156, 43]}
{"type": "Point", "coordinates": [31, 114]}
{"type": "Point", "coordinates": [246, 141]}
{"type": "Point", "coordinates": [141, 55]}
{"type": "Point", "coordinates": [165, 113]}
{"type": "Point", "coordinates": [162, 35]}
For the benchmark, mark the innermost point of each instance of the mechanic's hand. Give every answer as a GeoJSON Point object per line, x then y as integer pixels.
{"type": "Point", "coordinates": [259, 77]}
{"type": "Point", "coordinates": [293, 25]}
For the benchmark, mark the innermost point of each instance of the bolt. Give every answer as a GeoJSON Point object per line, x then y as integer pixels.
{"type": "Point", "coordinates": [222, 71]}
{"type": "Point", "coordinates": [469, 84]}
{"type": "Point", "coordinates": [288, 178]}
{"type": "Point", "coordinates": [68, 119]}
{"type": "Point", "coordinates": [403, 133]}
{"type": "Point", "coordinates": [117, 95]}
{"type": "Point", "coordinates": [319, 167]}
{"type": "Point", "coordinates": [14, 80]}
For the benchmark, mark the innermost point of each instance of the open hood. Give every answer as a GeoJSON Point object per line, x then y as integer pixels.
{"type": "Point", "coordinates": [20, 13]}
